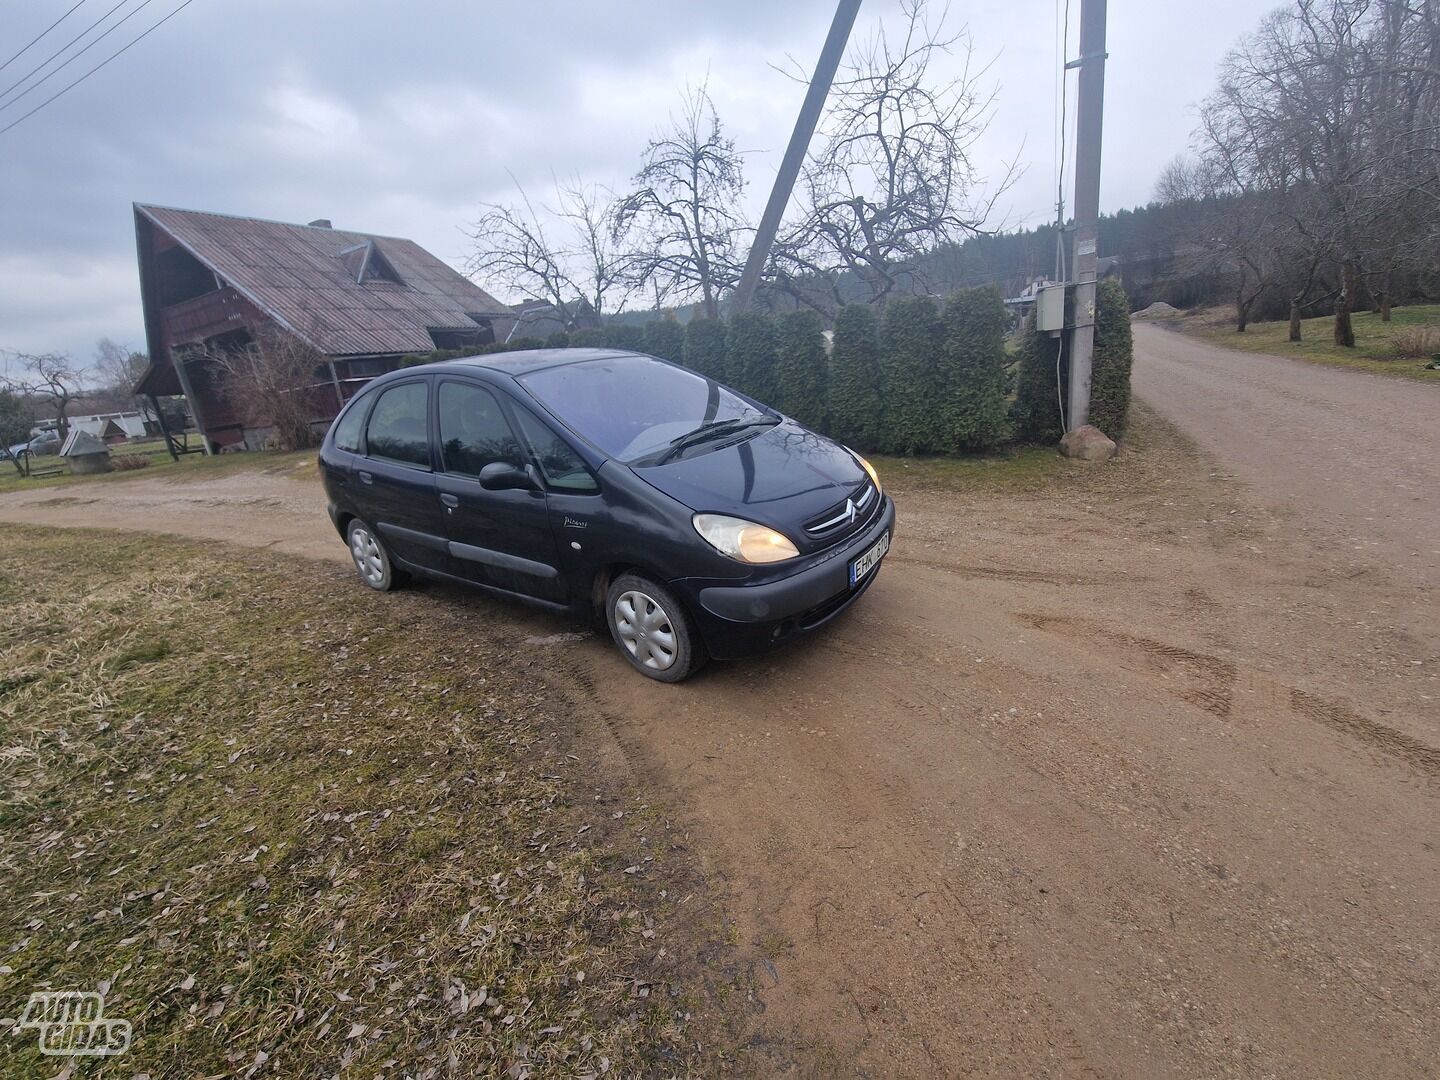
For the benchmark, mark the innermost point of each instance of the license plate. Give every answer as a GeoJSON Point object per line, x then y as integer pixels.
{"type": "Point", "coordinates": [871, 559]}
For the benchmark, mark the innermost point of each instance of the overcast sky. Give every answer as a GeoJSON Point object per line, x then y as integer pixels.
{"type": "Point", "coordinates": [401, 118]}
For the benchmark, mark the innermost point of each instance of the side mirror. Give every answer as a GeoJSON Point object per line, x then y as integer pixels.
{"type": "Point", "coordinates": [502, 476]}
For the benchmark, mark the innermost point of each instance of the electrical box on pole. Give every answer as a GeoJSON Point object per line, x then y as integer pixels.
{"type": "Point", "coordinates": [1083, 261]}
{"type": "Point", "coordinates": [1050, 308]}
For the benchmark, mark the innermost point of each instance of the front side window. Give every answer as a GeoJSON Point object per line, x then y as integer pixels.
{"type": "Point", "coordinates": [399, 425]}
{"type": "Point", "coordinates": [473, 431]}
{"type": "Point", "coordinates": [634, 407]}
{"type": "Point", "coordinates": [559, 463]}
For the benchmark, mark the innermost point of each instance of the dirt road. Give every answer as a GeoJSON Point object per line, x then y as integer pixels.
{"type": "Point", "coordinates": [1351, 455]}
{"type": "Point", "coordinates": [1135, 778]}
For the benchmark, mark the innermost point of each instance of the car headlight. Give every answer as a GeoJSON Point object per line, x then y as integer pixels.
{"type": "Point", "coordinates": [870, 469]}
{"type": "Point", "coordinates": [744, 540]}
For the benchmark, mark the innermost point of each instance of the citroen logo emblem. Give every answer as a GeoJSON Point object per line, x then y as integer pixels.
{"type": "Point", "coordinates": [849, 509]}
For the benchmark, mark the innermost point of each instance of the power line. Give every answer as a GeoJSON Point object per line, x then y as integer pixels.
{"type": "Point", "coordinates": [71, 59]}
{"type": "Point", "coordinates": [97, 67]}
{"type": "Point", "coordinates": [20, 81]}
{"type": "Point", "coordinates": [40, 35]}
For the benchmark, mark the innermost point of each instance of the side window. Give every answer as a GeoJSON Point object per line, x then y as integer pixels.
{"type": "Point", "coordinates": [399, 425]}
{"type": "Point", "coordinates": [347, 428]}
{"type": "Point", "coordinates": [473, 430]}
{"type": "Point", "coordinates": [561, 465]}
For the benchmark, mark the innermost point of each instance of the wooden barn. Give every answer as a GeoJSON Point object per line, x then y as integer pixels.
{"type": "Point", "coordinates": [212, 283]}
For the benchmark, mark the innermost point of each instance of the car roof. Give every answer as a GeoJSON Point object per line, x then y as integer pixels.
{"type": "Point", "coordinates": [524, 361]}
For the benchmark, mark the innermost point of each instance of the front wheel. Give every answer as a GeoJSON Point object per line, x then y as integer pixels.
{"type": "Point", "coordinates": [652, 629]}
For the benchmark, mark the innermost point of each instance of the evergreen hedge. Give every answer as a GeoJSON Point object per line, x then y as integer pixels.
{"type": "Point", "coordinates": [973, 410]}
{"type": "Point", "coordinates": [626, 336]}
{"type": "Point", "coordinates": [856, 394]}
{"type": "Point", "coordinates": [800, 374]}
{"type": "Point", "coordinates": [664, 338]}
{"type": "Point", "coordinates": [558, 340]}
{"type": "Point", "coordinates": [1035, 413]}
{"type": "Point", "coordinates": [911, 341]}
{"type": "Point", "coordinates": [704, 349]}
{"type": "Point", "coordinates": [1114, 354]}
{"type": "Point", "coordinates": [750, 355]}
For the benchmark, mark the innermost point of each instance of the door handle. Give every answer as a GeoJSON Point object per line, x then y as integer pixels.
{"type": "Point", "coordinates": [365, 477]}
{"type": "Point", "coordinates": [449, 500]}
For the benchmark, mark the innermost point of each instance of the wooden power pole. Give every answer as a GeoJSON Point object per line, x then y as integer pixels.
{"type": "Point", "coordinates": [1088, 123]}
{"type": "Point", "coordinates": [810, 111]}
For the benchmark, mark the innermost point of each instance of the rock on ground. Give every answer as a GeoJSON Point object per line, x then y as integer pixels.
{"type": "Point", "coordinates": [1087, 443]}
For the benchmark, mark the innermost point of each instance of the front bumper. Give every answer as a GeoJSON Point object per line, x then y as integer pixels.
{"type": "Point", "coordinates": [737, 620]}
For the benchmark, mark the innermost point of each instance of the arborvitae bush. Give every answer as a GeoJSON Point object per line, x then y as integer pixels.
{"type": "Point", "coordinates": [750, 355]}
{"type": "Point", "coordinates": [911, 339]}
{"type": "Point", "coordinates": [519, 343]}
{"type": "Point", "coordinates": [800, 373]}
{"type": "Point", "coordinates": [589, 337]}
{"type": "Point", "coordinates": [971, 401]}
{"type": "Point", "coordinates": [705, 348]}
{"type": "Point", "coordinates": [664, 338]}
{"type": "Point", "coordinates": [1035, 412]}
{"type": "Point", "coordinates": [625, 336]}
{"type": "Point", "coordinates": [558, 340]}
{"type": "Point", "coordinates": [856, 393]}
{"type": "Point", "coordinates": [1110, 372]}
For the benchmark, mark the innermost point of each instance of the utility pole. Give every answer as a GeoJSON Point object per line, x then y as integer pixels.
{"type": "Point", "coordinates": [1089, 120]}
{"type": "Point", "coordinates": [810, 111]}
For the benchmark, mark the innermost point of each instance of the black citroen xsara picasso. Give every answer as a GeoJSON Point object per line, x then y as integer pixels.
{"type": "Point", "coordinates": [700, 522]}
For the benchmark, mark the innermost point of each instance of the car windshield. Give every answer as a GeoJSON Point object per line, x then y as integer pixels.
{"type": "Point", "coordinates": [639, 409]}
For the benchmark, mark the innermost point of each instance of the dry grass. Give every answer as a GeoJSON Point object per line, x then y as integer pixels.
{"type": "Point", "coordinates": [128, 462]}
{"type": "Point", "coordinates": [1416, 343]}
{"type": "Point", "coordinates": [294, 829]}
{"type": "Point", "coordinates": [1375, 339]}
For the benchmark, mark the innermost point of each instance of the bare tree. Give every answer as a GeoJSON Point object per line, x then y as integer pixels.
{"type": "Point", "coordinates": [117, 370]}
{"type": "Point", "coordinates": [271, 382]}
{"type": "Point", "coordinates": [51, 380]}
{"type": "Point", "coordinates": [1334, 102]}
{"type": "Point", "coordinates": [567, 254]}
{"type": "Point", "coordinates": [894, 175]}
{"type": "Point", "coordinates": [685, 212]}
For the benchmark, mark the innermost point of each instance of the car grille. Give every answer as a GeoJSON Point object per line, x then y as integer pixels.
{"type": "Point", "coordinates": [845, 517]}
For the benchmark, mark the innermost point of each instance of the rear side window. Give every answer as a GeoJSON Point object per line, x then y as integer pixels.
{"type": "Point", "coordinates": [562, 467]}
{"type": "Point", "coordinates": [399, 425]}
{"type": "Point", "coordinates": [347, 430]}
{"type": "Point", "coordinates": [473, 431]}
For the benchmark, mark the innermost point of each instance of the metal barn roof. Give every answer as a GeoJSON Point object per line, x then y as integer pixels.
{"type": "Point", "coordinates": [334, 288]}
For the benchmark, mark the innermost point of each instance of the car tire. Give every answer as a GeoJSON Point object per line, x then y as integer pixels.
{"type": "Point", "coordinates": [652, 629]}
{"type": "Point", "coordinates": [371, 558]}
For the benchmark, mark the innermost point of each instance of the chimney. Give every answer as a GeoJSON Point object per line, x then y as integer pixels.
{"type": "Point", "coordinates": [321, 223]}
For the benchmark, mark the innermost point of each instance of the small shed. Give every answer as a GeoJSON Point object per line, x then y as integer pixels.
{"type": "Point", "coordinates": [86, 452]}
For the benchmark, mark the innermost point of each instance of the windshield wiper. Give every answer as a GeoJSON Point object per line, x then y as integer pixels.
{"type": "Point", "coordinates": [716, 430]}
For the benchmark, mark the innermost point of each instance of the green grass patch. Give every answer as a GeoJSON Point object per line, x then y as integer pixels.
{"type": "Point", "coordinates": [1373, 352]}
{"type": "Point", "coordinates": [300, 464]}
{"type": "Point", "coordinates": [292, 827]}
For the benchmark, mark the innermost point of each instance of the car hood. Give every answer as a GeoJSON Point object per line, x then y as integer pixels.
{"type": "Point", "coordinates": [783, 476]}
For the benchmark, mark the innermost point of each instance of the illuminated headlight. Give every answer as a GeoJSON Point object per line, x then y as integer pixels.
{"type": "Point", "coordinates": [870, 469]}
{"type": "Point", "coordinates": [744, 540]}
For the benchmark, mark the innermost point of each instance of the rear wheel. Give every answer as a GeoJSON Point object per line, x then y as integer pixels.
{"type": "Point", "coordinates": [372, 561]}
{"type": "Point", "coordinates": [653, 629]}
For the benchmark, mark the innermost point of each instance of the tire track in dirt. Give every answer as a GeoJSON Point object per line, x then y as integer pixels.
{"type": "Point", "coordinates": [1215, 680]}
